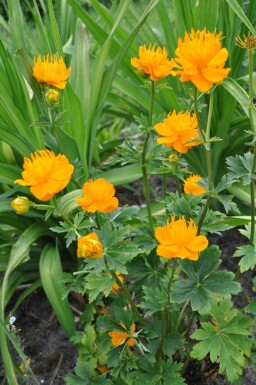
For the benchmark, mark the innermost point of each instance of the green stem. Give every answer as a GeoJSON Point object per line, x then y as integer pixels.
{"type": "Point", "coordinates": [143, 159]}
{"type": "Point", "coordinates": [181, 313]}
{"type": "Point", "coordinates": [197, 116]}
{"type": "Point", "coordinates": [204, 212]}
{"type": "Point", "coordinates": [252, 188]}
{"type": "Point", "coordinates": [251, 108]}
{"type": "Point", "coordinates": [207, 147]}
{"type": "Point", "coordinates": [209, 120]}
{"type": "Point", "coordinates": [165, 318]}
{"type": "Point", "coordinates": [5, 353]}
{"type": "Point", "coordinates": [125, 291]}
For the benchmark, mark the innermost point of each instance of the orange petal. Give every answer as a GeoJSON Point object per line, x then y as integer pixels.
{"type": "Point", "coordinates": [199, 243]}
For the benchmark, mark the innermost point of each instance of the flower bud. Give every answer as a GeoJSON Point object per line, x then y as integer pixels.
{"type": "Point", "coordinates": [140, 73]}
{"type": "Point", "coordinates": [20, 205]}
{"type": "Point", "coordinates": [53, 96]}
{"type": "Point", "coordinates": [173, 159]}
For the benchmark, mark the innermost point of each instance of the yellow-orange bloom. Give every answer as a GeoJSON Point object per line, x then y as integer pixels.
{"type": "Point", "coordinates": [23, 366]}
{"type": "Point", "coordinates": [154, 62]}
{"type": "Point", "coordinates": [98, 195]}
{"type": "Point", "coordinates": [102, 369]}
{"type": "Point", "coordinates": [179, 239]}
{"type": "Point", "coordinates": [89, 246]}
{"type": "Point", "coordinates": [191, 186]}
{"type": "Point", "coordinates": [200, 59]}
{"type": "Point", "coordinates": [51, 70]}
{"type": "Point", "coordinates": [46, 173]}
{"type": "Point", "coordinates": [118, 338]}
{"type": "Point", "coordinates": [177, 129]}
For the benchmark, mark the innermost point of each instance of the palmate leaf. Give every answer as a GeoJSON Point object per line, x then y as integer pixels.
{"type": "Point", "coordinates": [160, 373]}
{"type": "Point", "coordinates": [96, 284]}
{"type": "Point", "coordinates": [203, 283]}
{"type": "Point", "coordinates": [225, 339]}
{"type": "Point", "coordinates": [155, 300]}
{"type": "Point", "coordinates": [248, 262]}
{"type": "Point", "coordinates": [240, 167]}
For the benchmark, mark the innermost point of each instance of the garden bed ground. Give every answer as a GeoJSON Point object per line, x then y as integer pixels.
{"type": "Point", "coordinates": [53, 356]}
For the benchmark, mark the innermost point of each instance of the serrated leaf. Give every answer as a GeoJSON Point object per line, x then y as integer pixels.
{"type": "Point", "coordinates": [70, 283]}
{"type": "Point", "coordinates": [248, 252]}
{"type": "Point", "coordinates": [155, 300]}
{"type": "Point", "coordinates": [203, 283]}
{"type": "Point", "coordinates": [172, 342]}
{"type": "Point", "coordinates": [225, 339]}
{"type": "Point", "coordinates": [98, 284]}
{"type": "Point", "coordinates": [241, 167]}
{"type": "Point", "coordinates": [228, 204]}
{"type": "Point", "coordinates": [160, 373]}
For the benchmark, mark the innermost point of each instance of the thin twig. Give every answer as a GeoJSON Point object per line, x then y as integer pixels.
{"type": "Point", "coordinates": [56, 369]}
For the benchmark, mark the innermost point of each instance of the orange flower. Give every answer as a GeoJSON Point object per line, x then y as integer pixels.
{"type": "Point", "coordinates": [89, 246]}
{"type": "Point", "coordinates": [118, 338]}
{"type": "Point", "coordinates": [153, 62]}
{"type": "Point", "coordinates": [201, 59]}
{"type": "Point", "coordinates": [51, 70]}
{"type": "Point", "coordinates": [46, 173]}
{"type": "Point", "coordinates": [191, 186]}
{"type": "Point", "coordinates": [115, 287]}
{"type": "Point", "coordinates": [179, 239]}
{"type": "Point", "coordinates": [98, 196]}
{"type": "Point", "coordinates": [102, 369]}
{"type": "Point", "coordinates": [177, 129]}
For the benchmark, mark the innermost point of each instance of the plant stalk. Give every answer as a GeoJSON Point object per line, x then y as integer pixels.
{"type": "Point", "coordinates": [5, 353]}
{"type": "Point", "coordinates": [207, 146]}
{"type": "Point", "coordinates": [125, 291]}
{"type": "Point", "coordinates": [250, 108]}
{"type": "Point", "coordinates": [143, 159]}
{"type": "Point", "coordinates": [165, 318]}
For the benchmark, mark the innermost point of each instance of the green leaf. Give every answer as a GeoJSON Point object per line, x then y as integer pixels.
{"type": "Point", "coordinates": [240, 13]}
{"type": "Point", "coordinates": [155, 300]}
{"type": "Point", "coordinates": [248, 252]}
{"type": "Point", "coordinates": [160, 373]}
{"type": "Point", "coordinates": [203, 283]}
{"type": "Point", "coordinates": [225, 339]}
{"type": "Point", "coordinates": [241, 167]}
{"type": "Point", "coordinates": [50, 274]}
{"type": "Point", "coordinates": [96, 284]}
{"type": "Point", "coordinates": [172, 342]}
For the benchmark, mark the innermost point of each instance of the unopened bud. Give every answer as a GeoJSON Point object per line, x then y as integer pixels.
{"type": "Point", "coordinates": [173, 159]}
{"type": "Point", "coordinates": [140, 73]}
{"type": "Point", "coordinates": [20, 205]}
{"type": "Point", "coordinates": [53, 96]}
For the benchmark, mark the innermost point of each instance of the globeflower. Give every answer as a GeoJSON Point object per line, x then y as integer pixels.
{"type": "Point", "coordinates": [98, 195]}
{"type": "Point", "coordinates": [200, 59]}
{"type": "Point", "coordinates": [46, 173]}
{"type": "Point", "coordinates": [179, 239]}
{"type": "Point", "coordinates": [52, 70]}
{"type": "Point", "coordinates": [177, 129]}
{"type": "Point", "coordinates": [153, 61]}
{"type": "Point", "coordinates": [118, 338]}
{"type": "Point", "coordinates": [191, 186]}
{"type": "Point", "coordinates": [89, 246]}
